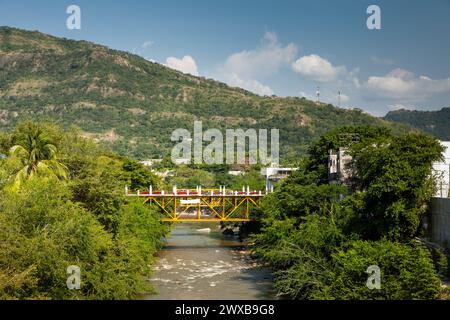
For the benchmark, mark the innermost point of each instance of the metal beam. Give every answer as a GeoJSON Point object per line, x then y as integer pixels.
{"type": "Point", "coordinates": [231, 206]}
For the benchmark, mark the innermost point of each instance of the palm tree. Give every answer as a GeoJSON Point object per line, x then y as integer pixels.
{"type": "Point", "coordinates": [38, 156]}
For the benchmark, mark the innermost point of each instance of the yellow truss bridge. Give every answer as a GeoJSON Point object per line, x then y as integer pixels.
{"type": "Point", "coordinates": [196, 205]}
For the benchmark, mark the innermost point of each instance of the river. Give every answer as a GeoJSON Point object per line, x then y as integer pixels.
{"type": "Point", "coordinates": [207, 265]}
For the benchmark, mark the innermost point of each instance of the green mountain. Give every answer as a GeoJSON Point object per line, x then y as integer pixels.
{"type": "Point", "coordinates": [134, 105]}
{"type": "Point", "coordinates": [435, 122]}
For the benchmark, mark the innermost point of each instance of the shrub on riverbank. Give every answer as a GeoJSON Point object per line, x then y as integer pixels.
{"type": "Point", "coordinates": [49, 224]}
{"type": "Point", "coordinates": [320, 245]}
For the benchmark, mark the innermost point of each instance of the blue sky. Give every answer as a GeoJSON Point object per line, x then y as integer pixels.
{"type": "Point", "coordinates": [287, 48]}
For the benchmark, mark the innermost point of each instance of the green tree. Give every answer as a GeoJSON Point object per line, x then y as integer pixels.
{"type": "Point", "coordinates": [52, 224]}
{"type": "Point", "coordinates": [38, 155]}
{"type": "Point", "coordinates": [342, 137]}
{"type": "Point", "coordinates": [320, 244]}
{"type": "Point", "coordinates": [186, 177]}
{"type": "Point", "coordinates": [396, 184]}
{"type": "Point", "coordinates": [139, 176]}
{"type": "Point", "coordinates": [406, 271]}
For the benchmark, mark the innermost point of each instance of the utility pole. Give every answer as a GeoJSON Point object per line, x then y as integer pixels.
{"type": "Point", "coordinates": [339, 98]}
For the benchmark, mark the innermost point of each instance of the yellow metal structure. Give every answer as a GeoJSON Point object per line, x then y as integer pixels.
{"type": "Point", "coordinates": [197, 205]}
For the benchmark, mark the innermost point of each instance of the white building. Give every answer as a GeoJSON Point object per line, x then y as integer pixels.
{"type": "Point", "coordinates": [236, 172]}
{"type": "Point", "coordinates": [164, 174]}
{"type": "Point", "coordinates": [441, 171]}
{"type": "Point", "coordinates": [150, 162]}
{"type": "Point", "coordinates": [275, 174]}
{"type": "Point", "coordinates": [339, 171]}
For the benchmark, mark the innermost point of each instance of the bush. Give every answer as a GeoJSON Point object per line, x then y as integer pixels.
{"type": "Point", "coordinates": [48, 225]}
{"type": "Point", "coordinates": [407, 271]}
{"type": "Point", "coordinates": [42, 233]}
{"type": "Point", "coordinates": [320, 244]}
{"type": "Point", "coordinates": [317, 261]}
{"type": "Point", "coordinates": [299, 254]}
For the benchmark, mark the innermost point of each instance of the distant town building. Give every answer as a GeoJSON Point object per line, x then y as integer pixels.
{"type": "Point", "coordinates": [441, 171]}
{"type": "Point", "coordinates": [164, 174]}
{"type": "Point", "coordinates": [236, 172]}
{"type": "Point", "coordinates": [150, 162]}
{"type": "Point", "coordinates": [275, 174]}
{"type": "Point", "coordinates": [339, 169]}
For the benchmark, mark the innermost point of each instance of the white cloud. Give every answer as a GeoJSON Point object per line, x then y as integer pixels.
{"type": "Point", "coordinates": [382, 61]}
{"type": "Point", "coordinates": [250, 85]}
{"type": "Point", "coordinates": [308, 96]}
{"type": "Point", "coordinates": [186, 64]}
{"type": "Point", "coordinates": [147, 44]}
{"type": "Point", "coordinates": [142, 48]}
{"type": "Point", "coordinates": [261, 62]}
{"type": "Point", "coordinates": [248, 68]}
{"type": "Point", "coordinates": [400, 84]}
{"type": "Point", "coordinates": [317, 68]}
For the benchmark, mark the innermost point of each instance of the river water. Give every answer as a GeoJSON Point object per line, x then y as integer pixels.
{"type": "Point", "coordinates": [198, 265]}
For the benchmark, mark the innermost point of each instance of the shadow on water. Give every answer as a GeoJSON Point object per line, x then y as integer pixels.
{"type": "Point", "coordinates": [200, 265]}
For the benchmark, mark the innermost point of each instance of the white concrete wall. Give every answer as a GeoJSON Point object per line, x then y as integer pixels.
{"type": "Point", "coordinates": [441, 170]}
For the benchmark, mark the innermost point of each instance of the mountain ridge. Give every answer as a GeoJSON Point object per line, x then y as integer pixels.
{"type": "Point", "coordinates": [436, 122]}
{"type": "Point", "coordinates": [133, 104]}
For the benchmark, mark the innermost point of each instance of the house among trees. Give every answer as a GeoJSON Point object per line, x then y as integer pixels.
{"type": "Point", "coordinates": [151, 162]}
{"type": "Point", "coordinates": [339, 168]}
{"type": "Point", "coordinates": [441, 171]}
{"type": "Point", "coordinates": [274, 174]}
{"type": "Point", "coordinates": [339, 171]}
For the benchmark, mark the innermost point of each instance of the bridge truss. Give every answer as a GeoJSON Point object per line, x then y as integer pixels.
{"type": "Point", "coordinates": [197, 205]}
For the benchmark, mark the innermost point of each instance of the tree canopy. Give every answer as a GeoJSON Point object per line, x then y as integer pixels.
{"type": "Point", "coordinates": [320, 238]}
{"type": "Point", "coordinates": [48, 224]}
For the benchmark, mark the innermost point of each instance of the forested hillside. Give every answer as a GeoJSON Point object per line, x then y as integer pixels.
{"type": "Point", "coordinates": [434, 122]}
{"type": "Point", "coordinates": [133, 104]}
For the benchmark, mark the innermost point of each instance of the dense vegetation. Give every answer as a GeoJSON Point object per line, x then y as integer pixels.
{"type": "Point", "coordinates": [134, 105]}
{"type": "Point", "coordinates": [62, 201]}
{"type": "Point", "coordinates": [214, 176]}
{"type": "Point", "coordinates": [320, 239]}
{"type": "Point", "coordinates": [62, 204]}
{"type": "Point", "coordinates": [435, 122]}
